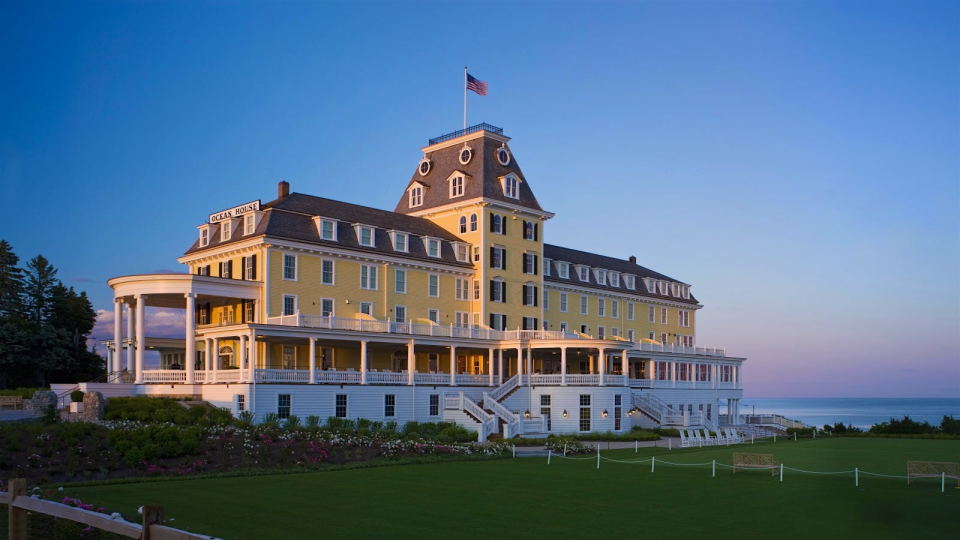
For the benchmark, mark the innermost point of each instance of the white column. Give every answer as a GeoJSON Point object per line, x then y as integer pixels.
{"type": "Point", "coordinates": [253, 357]}
{"type": "Point", "coordinates": [190, 358]}
{"type": "Point", "coordinates": [141, 337]}
{"type": "Point", "coordinates": [520, 365]}
{"type": "Point", "coordinates": [673, 374]}
{"type": "Point", "coordinates": [131, 336]}
{"type": "Point", "coordinates": [500, 359]}
{"type": "Point", "coordinates": [117, 336]}
{"type": "Point", "coordinates": [206, 361]}
{"type": "Point", "coordinates": [453, 365]}
{"type": "Point", "coordinates": [529, 365]}
{"type": "Point", "coordinates": [411, 362]}
{"type": "Point", "coordinates": [215, 360]}
{"type": "Point", "coordinates": [363, 361]}
{"type": "Point", "coordinates": [625, 367]}
{"type": "Point", "coordinates": [563, 366]}
{"type": "Point", "coordinates": [490, 365]}
{"type": "Point", "coordinates": [602, 362]}
{"type": "Point", "coordinates": [243, 356]}
{"type": "Point", "coordinates": [313, 363]}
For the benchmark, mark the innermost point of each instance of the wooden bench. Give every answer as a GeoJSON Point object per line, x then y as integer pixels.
{"type": "Point", "coordinates": [742, 460]}
{"type": "Point", "coordinates": [933, 469]}
{"type": "Point", "coordinates": [15, 402]}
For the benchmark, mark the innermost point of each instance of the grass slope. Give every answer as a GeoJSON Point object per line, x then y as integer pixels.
{"type": "Point", "coordinates": [527, 498]}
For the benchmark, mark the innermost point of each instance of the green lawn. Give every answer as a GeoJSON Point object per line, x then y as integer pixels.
{"type": "Point", "coordinates": [527, 498]}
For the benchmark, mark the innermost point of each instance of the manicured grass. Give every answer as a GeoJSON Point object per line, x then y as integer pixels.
{"type": "Point", "coordinates": [527, 498]}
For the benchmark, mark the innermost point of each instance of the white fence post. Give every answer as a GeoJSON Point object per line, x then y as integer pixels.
{"type": "Point", "coordinates": [598, 456]}
{"type": "Point", "coordinates": [856, 476]}
{"type": "Point", "coordinates": [549, 454]}
{"type": "Point", "coordinates": [781, 472]}
{"type": "Point", "coordinates": [714, 468]}
{"type": "Point", "coordinates": [564, 449]}
{"type": "Point", "coordinates": [653, 463]}
{"type": "Point", "coordinates": [943, 481]}
{"type": "Point", "coordinates": [514, 450]}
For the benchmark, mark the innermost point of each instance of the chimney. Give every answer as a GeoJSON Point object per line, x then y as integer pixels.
{"type": "Point", "coordinates": [283, 189]}
{"type": "Point", "coordinates": [633, 259]}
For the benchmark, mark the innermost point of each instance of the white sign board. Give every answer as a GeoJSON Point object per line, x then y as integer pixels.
{"type": "Point", "coordinates": [236, 211]}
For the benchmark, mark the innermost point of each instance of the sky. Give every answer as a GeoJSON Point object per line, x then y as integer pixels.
{"type": "Point", "coordinates": [797, 163]}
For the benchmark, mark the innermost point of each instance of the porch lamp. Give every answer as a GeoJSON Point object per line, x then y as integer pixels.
{"type": "Point", "coordinates": [605, 413]}
{"type": "Point", "coordinates": [564, 413]}
{"type": "Point", "coordinates": [526, 414]}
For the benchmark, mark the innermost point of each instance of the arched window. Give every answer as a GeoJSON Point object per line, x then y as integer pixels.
{"type": "Point", "coordinates": [473, 223]}
{"type": "Point", "coordinates": [496, 224]}
{"type": "Point", "coordinates": [463, 224]}
{"type": "Point", "coordinates": [226, 356]}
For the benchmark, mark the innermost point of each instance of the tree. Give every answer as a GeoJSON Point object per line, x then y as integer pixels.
{"type": "Point", "coordinates": [38, 292]}
{"type": "Point", "coordinates": [11, 282]}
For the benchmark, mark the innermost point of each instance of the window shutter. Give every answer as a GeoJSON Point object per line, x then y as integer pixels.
{"type": "Point", "coordinates": [536, 292]}
{"type": "Point", "coordinates": [524, 295]}
{"type": "Point", "coordinates": [199, 271]}
{"type": "Point", "coordinates": [535, 323]}
{"type": "Point", "coordinates": [243, 268]}
{"type": "Point", "coordinates": [504, 260]}
{"type": "Point", "coordinates": [220, 268]}
{"type": "Point", "coordinates": [504, 319]}
{"type": "Point", "coordinates": [493, 297]}
{"type": "Point", "coordinates": [503, 291]}
{"type": "Point", "coordinates": [536, 265]}
{"type": "Point", "coordinates": [504, 229]}
{"type": "Point", "coordinates": [536, 231]}
{"type": "Point", "coordinates": [230, 268]}
{"type": "Point", "coordinates": [491, 257]}
{"type": "Point", "coordinates": [253, 267]}
{"type": "Point", "coordinates": [525, 229]}
{"type": "Point", "coordinates": [491, 322]}
{"type": "Point", "coordinates": [491, 223]}
{"type": "Point", "coordinates": [208, 269]}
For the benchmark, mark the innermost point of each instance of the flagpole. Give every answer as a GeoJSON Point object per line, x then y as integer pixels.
{"type": "Point", "coordinates": [464, 98]}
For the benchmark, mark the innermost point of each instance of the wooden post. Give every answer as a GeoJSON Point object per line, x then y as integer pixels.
{"type": "Point", "coordinates": [17, 516]}
{"type": "Point", "coordinates": [152, 515]}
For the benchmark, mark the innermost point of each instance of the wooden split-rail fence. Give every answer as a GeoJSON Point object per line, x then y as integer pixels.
{"type": "Point", "coordinates": [19, 504]}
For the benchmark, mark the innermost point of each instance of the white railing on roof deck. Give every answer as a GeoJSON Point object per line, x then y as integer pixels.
{"type": "Point", "coordinates": [164, 376]}
{"type": "Point", "coordinates": [468, 379]}
{"type": "Point", "coordinates": [583, 379]}
{"type": "Point", "coordinates": [431, 378]}
{"type": "Point", "coordinates": [508, 386]}
{"type": "Point", "coordinates": [374, 377]}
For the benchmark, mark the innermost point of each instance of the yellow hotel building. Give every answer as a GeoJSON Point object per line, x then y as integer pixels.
{"type": "Point", "coordinates": [449, 307]}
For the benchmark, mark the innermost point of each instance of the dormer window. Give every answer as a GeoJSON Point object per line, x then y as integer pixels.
{"type": "Point", "coordinates": [326, 228]}
{"type": "Point", "coordinates": [249, 223]}
{"type": "Point", "coordinates": [400, 241]}
{"type": "Point", "coordinates": [226, 229]}
{"type": "Point", "coordinates": [630, 281]}
{"type": "Point", "coordinates": [456, 186]}
{"type": "Point", "coordinates": [601, 276]}
{"type": "Point", "coordinates": [651, 285]}
{"type": "Point", "coordinates": [204, 236]}
{"type": "Point", "coordinates": [662, 287]}
{"type": "Point", "coordinates": [686, 292]}
{"type": "Point", "coordinates": [584, 273]}
{"type": "Point", "coordinates": [614, 279]}
{"type": "Point", "coordinates": [563, 270]}
{"type": "Point", "coordinates": [433, 247]}
{"type": "Point", "coordinates": [546, 267]}
{"type": "Point", "coordinates": [511, 186]}
{"type": "Point", "coordinates": [416, 196]}
{"type": "Point", "coordinates": [466, 153]}
{"type": "Point", "coordinates": [424, 166]}
{"type": "Point", "coordinates": [365, 235]}
{"type": "Point", "coordinates": [463, 252]}
{"type": "Point", "coordinates": [503, 156]}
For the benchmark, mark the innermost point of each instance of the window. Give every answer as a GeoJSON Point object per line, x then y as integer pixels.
{"type": "Point", "coordinates": [629, 311]}
{"type": "Point", "coordinates": [365, 235]}
{"type": "Point", "coordinates": [476, 254]}
{"type": "Point", "coordinates": [498, 224]}
{"type": "Point", "coordinates": [416, 196]}
{"type": "Point", "coordinates": [584, 274]}
{"type": "Point", "coordinates": [434, 315]}
{"type": "Point", "coordinates": [683, 317]}
{"type": "Point", "coordinates": [546, 300]}
{"type": "Point", "coordinates": [328, 230]}
{"type": "Point", "coordinates": [546, 324]}
{"type": "Point", "coordinates": [630, 282]}
{"type": "Point", "coordinates": [546, 267]}
{"type": "Point", "coordinates": [326, 307]}
{"type": "Point", "coordinates": [289, 304]}
{"type": "Point", "coordinates": [563, 327]}
{"type": "Point", "coordinates": [545, 410]}
{"type": "Point", "coordinates": [249, 268]}
{"type": "Point", "coordinates": [530, 323]}
{"type": "Point", "coordinates": [583, 329]}
{"type": "Point", "coordinates": [584, 306]}
{"type": "Point", "coordinates": [463, 224]}
{"type": "Point", "coordinates": [498, 290]}
{"type": "Point", "coordinates": [530, 263]}
{"type": "Point", "coordinates": [463, 252]}
{"type": "Point", "coordinates": [434, 404]}
{"type": "Point", "coordinates": [563, 302]}
{"type": "Point", "coordinates": [433, 285]}
{"type": "Point", "coordinates": [615, 309]}
{"type": "Point", "coordinates": [601, 307]}
{"type": "Point", "coordinates": [476, 289]}
{"type": "Point", "coordinates": [529, 294]}
{"type": "Point", "coordinates": [614, 331]}
{"type": "Point", "coordinates": [290, 267]}
{"type": "Point", "coordinates": [461, 319]}
{"type": "Point", "coordinates": [498, 321]}
{"type": "Point", "coordinates": [498, 258]}
{"type": "Point", "coordinates": [511, 187]}
{"type": "Point", "coordinates": [663, 371]}
{"type": "Point", "coordinates": [651, 285]}
{"type": "Point", "coordinates": [326, 272]}
{"type": "Point", "coordinates": [463, 289]}
{"type": "Point", "coordinates": [652, 336]}
{"type": "Point", "coordinates": [652, 315]}
{"type": "Point", "coordinates": [400, 242]}
{"type": "Point", "coordinates": [400, 281]}
{"type": "Point", "coordinates": [614, 279]}
{"type": "Point", "coordinates": [563, 270]}
{"type": "Point", "coordinates": [249, 221]}
{"type": "Point", "coordinates": [629, 335]}
{"type": "Point", "coordinates": [584, 412]}
{"type": "Point", "coordinates": [601, 277]}
{"type": "Point", "coordinates": [456, 188]}
{"type": "Point", "coordinates": [340, 406]}
{"type": "Point", "coordinates": [473, 223]}
{"type": "Point", "coordinates": [530, 230]}
{"type": "Point", "coordinates": [617, 411]}
{"type": "Point", "coordinates": [662, 287]}
{"type": "Point", "coordinates": [249, 311]}
{"type": "Point", "coordinates": [226, 269]}
{"type": "Point", "coordinates": [283, 406]}
{"type": "Point", "coordinates": [663, 315]}
{"type": "Point", "coordinates": [368, 277]}
{"type": "Point", "coordinates": [389, 405]}
{"type": "Point", "coordinates": [433, 247]}
{"type": "Point", "coordinates": [204, 236]}
{"type": "Point", "coordinates": [400, 314]}
{"type": "Point", "coordinates": [601, 332]}
{"type": "Point", "coordinates": [225, 230]}
{"type": "Point", "coordinates": [703, 372]}
{"type": "Point", "coordinates": [366, 308]}
{"type": "Point", "coordinates": [241, 402]}
{"type": "Point", "coordinates": [663, 337]}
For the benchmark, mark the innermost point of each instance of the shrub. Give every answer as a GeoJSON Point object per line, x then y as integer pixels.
{"type": "Point", "coordinates": [271, 420]}
{"type": "Point", "coordinates": [313, 421]}
{"type": "Point", "coordinates": [245, 419]}
{"type": "Point", "coordinates": [572, 446]}
{"type": "Point", "coordinates": [293, 422]}
{"type": "Point", "coordinates": [76, 396]}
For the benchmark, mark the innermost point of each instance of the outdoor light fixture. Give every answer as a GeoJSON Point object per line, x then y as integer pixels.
{"type": "Point", "coordinates": [526, 414]}
{"type": "Point", "coordinates": [605, 413]}
{"type": "Point", "coordinates": [564, 413]}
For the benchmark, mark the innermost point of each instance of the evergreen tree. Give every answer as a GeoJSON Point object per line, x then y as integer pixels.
{"type": "Point", "coordinates": [11, 282]}
{"type": "Point", "coordinates": [38, 292]}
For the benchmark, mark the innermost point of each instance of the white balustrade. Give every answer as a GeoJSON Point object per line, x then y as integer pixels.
{"type": "Point", "coordinates": [583, 380]}
{"type": "Point", "coordinates": [164, 376]}
{"type": "Point", "coordinates": [431, 378]}
{"type": "Point", "coordinates": [282, 376]}
{"type": "Point", "coordinates": [228, 375]}
{"type": "Point", "coordinates": [467, 379]}
{"type": "Point", "coordinates": [335, 377]}
{"type": "Point", "coordinates": [641, 383]}
{"type": "Point", "coordinates": [504, 389]}
{"type": "Point", "coordinates": [374, 377]}
{"type": "Point", "coordinates": [544, 380]}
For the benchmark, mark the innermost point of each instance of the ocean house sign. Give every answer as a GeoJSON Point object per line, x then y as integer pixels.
{"type": "Point", "coordinates": [236, 211]}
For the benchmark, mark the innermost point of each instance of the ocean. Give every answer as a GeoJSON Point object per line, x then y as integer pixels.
{"type": "Point", "coordinates": [860, 412]}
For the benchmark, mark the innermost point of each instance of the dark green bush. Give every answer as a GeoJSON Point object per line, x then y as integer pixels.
{"type": "Point", "coordinates": [25, 393]}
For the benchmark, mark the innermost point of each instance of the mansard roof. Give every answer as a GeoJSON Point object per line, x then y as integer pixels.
{"type": "Point", "coordinates": [576, 257]}
{"type": "Point", "coordinates": [291, 218]}
{"type": "Point", "coordinates": [483, 169]}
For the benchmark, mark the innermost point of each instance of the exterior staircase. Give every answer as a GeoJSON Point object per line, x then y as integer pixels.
{"type": "Point", "coordinates": [492, 416]}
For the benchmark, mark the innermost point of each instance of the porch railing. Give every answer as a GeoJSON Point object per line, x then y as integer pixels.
{"type": "Point", "coordinates": [165, 376]}
{"type": "Point", "coordinates": [386, 378]}
{"type": "Point", "coordinates": [583, 379]}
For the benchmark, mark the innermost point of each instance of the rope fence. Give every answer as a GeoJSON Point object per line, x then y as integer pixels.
{"type": "Point", "coordinates": [653, 461]}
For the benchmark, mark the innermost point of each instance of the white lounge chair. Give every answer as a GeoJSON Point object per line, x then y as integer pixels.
{"type": "Point", "coordinates": [695, 438]}
{"type": "Point", "coordinates": [684, 441]}
{"type": "Point", "coordinates": [707, 439]}
{"type": "Point", "coordinates": [721, 438]}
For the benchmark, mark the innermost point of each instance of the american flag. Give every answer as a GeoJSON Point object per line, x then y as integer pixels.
{"type": "Point", "coordinates": [476, 85]}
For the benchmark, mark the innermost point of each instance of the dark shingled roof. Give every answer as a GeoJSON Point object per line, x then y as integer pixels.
{"type": "Point", "coordinates": [292, 218]}
{"type": "Point", "coordinates": [573, 256]}
{"type": "Point", "coordinates": [483, 172]}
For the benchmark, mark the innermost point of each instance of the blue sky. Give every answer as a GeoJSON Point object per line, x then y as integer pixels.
{"type": "Point", "coordinates": [796, 162]}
